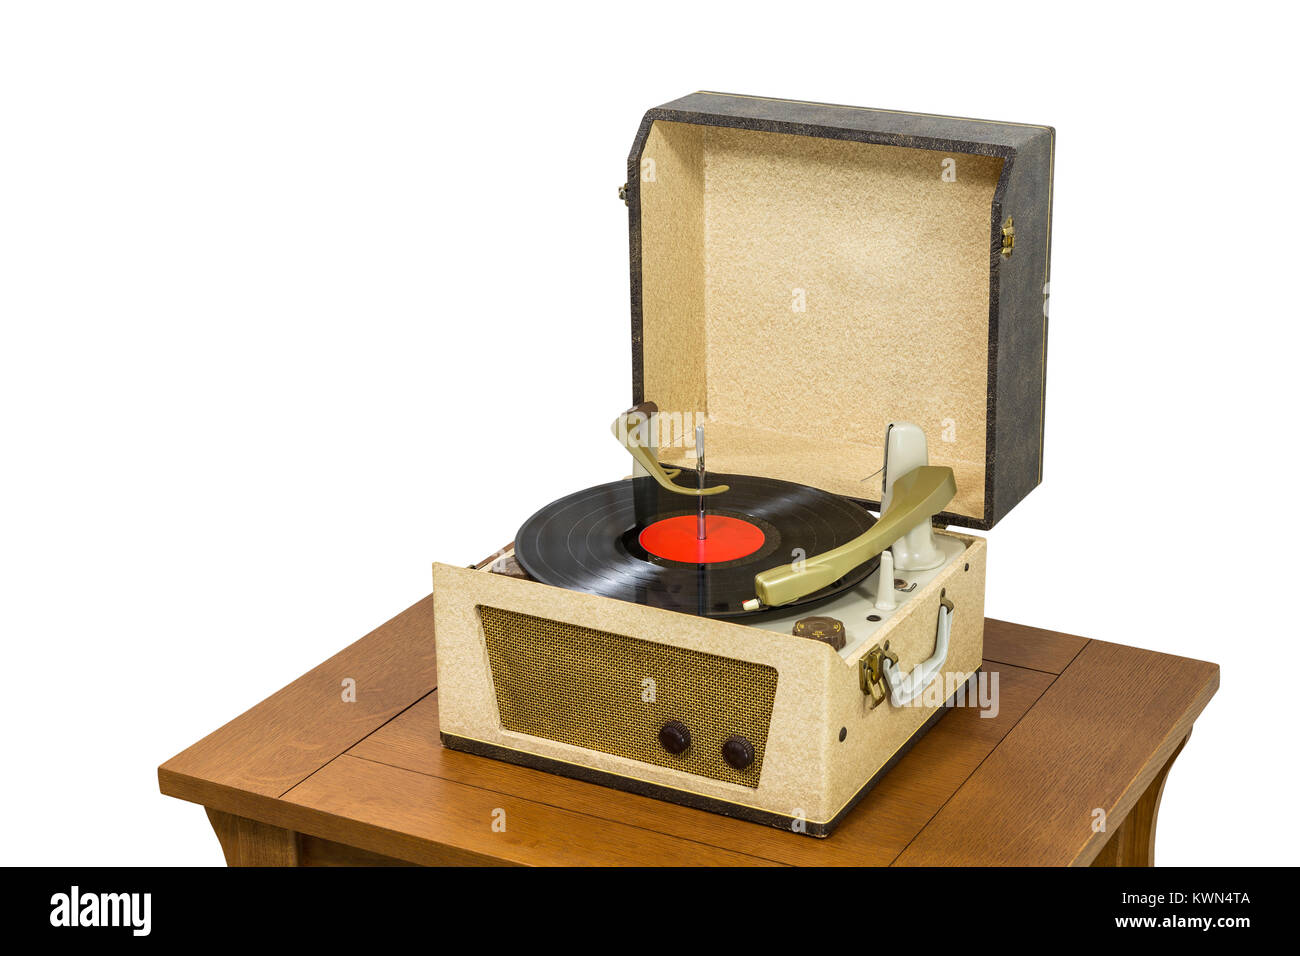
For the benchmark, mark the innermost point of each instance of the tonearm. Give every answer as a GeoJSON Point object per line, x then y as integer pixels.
{"type": "Point", "coordinates": [914, 492]}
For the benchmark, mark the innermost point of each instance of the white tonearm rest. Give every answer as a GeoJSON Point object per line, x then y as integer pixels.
{"type": "Point", "coordinates": [905, 451]}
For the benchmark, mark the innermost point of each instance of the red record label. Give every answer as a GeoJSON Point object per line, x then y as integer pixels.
{"type": "Point", "coordinates": [726, 539]}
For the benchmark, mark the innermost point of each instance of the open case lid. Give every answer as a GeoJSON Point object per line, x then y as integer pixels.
{"type": "Point", "coordinates": [804, 274]}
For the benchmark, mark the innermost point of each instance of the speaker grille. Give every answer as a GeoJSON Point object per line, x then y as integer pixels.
{"type": "Point", "coordinates": [589, 688]}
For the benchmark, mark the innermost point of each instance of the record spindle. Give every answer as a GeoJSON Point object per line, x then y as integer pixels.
{"type": "Point", "coordinates": [700, 531]}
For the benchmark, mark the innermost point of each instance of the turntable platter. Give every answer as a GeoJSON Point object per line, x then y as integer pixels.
{"type": "Point", "coordinates": [634, 541]}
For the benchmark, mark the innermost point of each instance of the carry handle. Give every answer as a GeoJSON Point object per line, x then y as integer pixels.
{"type": "Point", "coordinates": [904, 690]}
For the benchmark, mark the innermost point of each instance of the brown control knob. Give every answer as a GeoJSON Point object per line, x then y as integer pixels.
{"type": "Point", "coordinates": [738, 752]}
{"type": "Point", "coordinates": [828, 630]}
{"type": "Point", "coordinates": [675, 737]}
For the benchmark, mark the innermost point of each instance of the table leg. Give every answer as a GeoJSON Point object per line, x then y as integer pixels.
{"type": "Point", "coordinates": [1134, 843]}
{"type": "Point", "coordinates": [247, 842]}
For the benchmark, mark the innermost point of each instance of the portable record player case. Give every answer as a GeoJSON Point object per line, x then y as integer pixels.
{"type": "Point", "coordinates": [802, 275]}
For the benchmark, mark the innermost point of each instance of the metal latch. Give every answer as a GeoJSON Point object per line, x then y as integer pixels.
{"type": "Point", "coordinates": [871, 672]}
{"type": "Point", "coordinates": [1008, 238]}
{"type": "Point", "coordinates": [622, 193]}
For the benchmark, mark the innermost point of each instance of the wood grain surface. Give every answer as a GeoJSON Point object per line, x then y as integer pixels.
{"type": "Point", "coordinates": [1030, 647]}
{"type": "Point", "coordinates": [421, 818]}
{"type": "Point", "coordinates": [894, 810]}
{"type": "Point", "coordinates": [304, 778]}
{"type": "Point", "coordinates": [1095, 740]}
{"type": "Point", "coordinates": [281, 741]}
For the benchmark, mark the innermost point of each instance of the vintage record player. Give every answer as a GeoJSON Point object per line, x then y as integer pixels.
{"type": "Point", "coordinates": [835, 311]}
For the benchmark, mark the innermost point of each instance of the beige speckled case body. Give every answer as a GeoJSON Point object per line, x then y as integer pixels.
{"type": "Point", "coordinates": [825, 743]}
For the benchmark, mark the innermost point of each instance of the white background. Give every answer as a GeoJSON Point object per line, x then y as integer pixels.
{"type": "Point", "coordinates": [293, 294]}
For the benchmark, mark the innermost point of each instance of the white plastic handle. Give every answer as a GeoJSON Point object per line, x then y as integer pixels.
{"type": "Point", "coordinates": [904, 690]}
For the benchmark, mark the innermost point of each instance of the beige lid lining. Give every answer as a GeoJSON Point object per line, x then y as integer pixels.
{"type": "Point", "coordinates": [803, 292]}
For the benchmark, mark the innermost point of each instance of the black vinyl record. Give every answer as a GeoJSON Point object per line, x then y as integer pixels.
{"type": "Point", "coordinates": [592, 541]}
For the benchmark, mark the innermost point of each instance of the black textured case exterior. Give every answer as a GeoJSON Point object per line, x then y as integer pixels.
{"type": "Point", "coordinates": [1017, 352]}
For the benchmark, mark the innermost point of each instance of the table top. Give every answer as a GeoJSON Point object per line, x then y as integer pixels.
{"type": "Point", "coordinates": [1082, 724]}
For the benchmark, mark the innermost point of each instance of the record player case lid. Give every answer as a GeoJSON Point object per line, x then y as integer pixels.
{"type": "Point", "coordinates": [802, 274]}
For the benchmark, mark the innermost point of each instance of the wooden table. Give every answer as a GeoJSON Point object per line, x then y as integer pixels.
{"type": "Point", "coordinates": [307, 778]}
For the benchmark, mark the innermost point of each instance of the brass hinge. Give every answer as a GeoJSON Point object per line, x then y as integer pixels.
{"type": "Point", "coordinates": [1008, 237]}
{"type": "Point", "coordinates": [871, 672]}
{"type": "Point", "coordinates": [622, 193]}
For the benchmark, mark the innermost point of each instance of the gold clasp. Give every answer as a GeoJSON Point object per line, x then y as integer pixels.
{"type": "Point", "coordinates": [871, 672]}
{"type": "Point", "coordinates": [1008, 237]}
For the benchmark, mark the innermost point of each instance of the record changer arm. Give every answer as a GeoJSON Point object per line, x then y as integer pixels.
{"type": "Point", "coordinates": [625, 429]}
